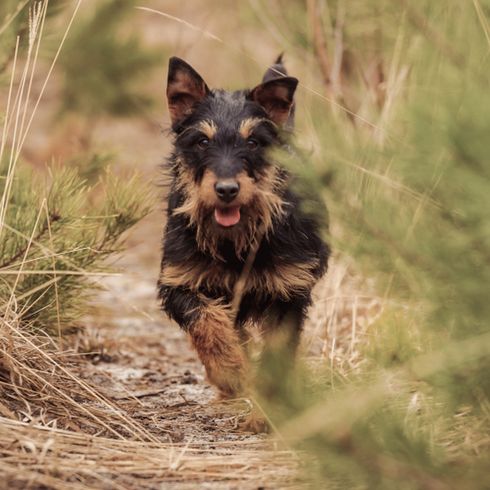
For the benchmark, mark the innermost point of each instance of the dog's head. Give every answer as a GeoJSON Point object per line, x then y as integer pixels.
{"type": "Point", "coordinates": [222, 140]}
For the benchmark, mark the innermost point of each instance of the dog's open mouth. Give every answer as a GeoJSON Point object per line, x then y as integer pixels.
{"type": "Point", "coordinates": [227, 216]}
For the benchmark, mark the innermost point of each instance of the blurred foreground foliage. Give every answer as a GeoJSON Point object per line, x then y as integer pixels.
{"type": "Point", "coordinates": [404, 167]}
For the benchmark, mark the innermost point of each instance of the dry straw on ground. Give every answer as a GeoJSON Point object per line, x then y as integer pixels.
{"type": "Point", "coordinates": [67, 460]}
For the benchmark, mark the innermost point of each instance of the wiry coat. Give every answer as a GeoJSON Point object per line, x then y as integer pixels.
{"type": "Point", "coordinates": [227, 137]}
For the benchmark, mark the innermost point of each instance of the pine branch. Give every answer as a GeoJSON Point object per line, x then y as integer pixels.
{"type": "Point", "coordinates": [23, 250]}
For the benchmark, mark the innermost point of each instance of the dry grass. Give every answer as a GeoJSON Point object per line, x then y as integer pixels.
{"type": "Point", "coordinates": [37, 380]}
{"type": "Point", "coordinates": [33, 454]}
{"type": "Point", "coordinates": [344, 306]}
{"type": "Point", "coordinates": [72, 436]}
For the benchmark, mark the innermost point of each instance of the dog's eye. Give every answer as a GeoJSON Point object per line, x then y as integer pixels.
{"type": "Point", "coordinates": [203, 143]}
{"type": "Point", "coordinates": [252, 144]}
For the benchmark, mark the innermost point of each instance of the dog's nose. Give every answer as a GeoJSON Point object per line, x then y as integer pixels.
{"type": "Point", "coordinates": [227, 190]}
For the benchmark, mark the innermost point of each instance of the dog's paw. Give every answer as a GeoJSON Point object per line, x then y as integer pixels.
{"type": "Point", "coordinates": [228, 383]}
{"type": "Point", "coordinates": [254, 423]}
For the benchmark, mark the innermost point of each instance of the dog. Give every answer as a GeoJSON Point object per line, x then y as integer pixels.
{"type": "Point", "coordinates": [233, 217]}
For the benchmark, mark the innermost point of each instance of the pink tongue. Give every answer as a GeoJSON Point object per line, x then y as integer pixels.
{"type": "Point", "coordinates": [227, 216]}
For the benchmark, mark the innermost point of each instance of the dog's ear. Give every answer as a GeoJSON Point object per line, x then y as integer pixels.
{"type": "Point", "coordinates": [185, 88]}
{"type": "Point", "coordinates": [276, 70]}
{"type": "Point", "coordinates": [276, 96]}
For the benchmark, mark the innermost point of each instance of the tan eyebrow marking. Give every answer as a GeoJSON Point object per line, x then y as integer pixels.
{"type": "Point", "coordinates": [248, 125]}
{"type": "Point", "coordinates": [209, 128]}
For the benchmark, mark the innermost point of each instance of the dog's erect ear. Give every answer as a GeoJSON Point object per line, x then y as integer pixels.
{"type": "Point", "coordinates": [276, 70]}
{"type": "Point", "coordinates": [185, 88]}
{"type": "Point", "coordinates": [276, 97]}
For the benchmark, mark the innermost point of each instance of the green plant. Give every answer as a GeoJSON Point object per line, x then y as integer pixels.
{"type": "Point", "coordinates": [406, 180]}
{"type": "Point", "coordinates": [58, 232]}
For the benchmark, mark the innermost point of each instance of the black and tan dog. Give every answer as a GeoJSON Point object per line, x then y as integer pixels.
{"type": "Point", "coordinates": [229, 197]}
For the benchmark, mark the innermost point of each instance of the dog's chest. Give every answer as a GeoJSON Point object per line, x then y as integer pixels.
{"type": "Point", "coordinates": [272, 278]}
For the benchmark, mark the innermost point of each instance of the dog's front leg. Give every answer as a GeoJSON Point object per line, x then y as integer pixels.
{"type": "Point", "coordinates": [282, 327]}
{"type": "Point", "coordinates": [218, 346]}
{"type": "Point", "coordinates": [210, 327]}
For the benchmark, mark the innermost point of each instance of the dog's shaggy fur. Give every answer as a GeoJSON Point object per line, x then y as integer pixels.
{"type": "Point", "coordinates": [228, 196]}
